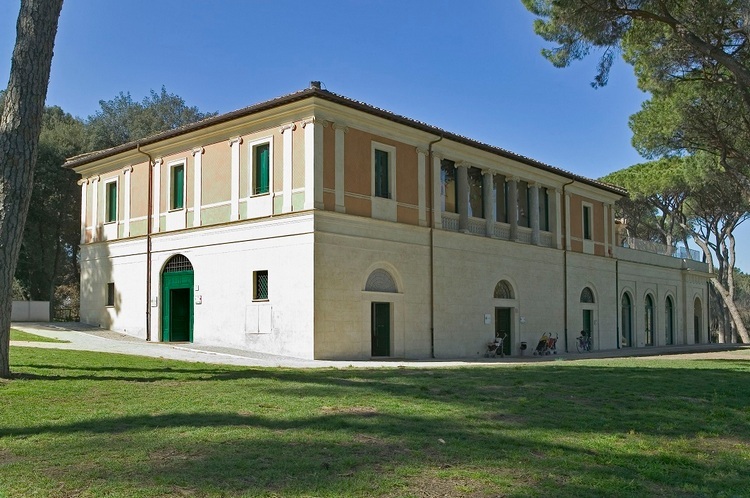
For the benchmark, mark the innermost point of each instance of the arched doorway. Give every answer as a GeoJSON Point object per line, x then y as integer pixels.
{"type": "Point", "coordinates": [649, 320]}
{"type": "Point", "coordinates": [626, 321]}
{"type": "Point", "coordinates": [177, 300]}
{"type": "Point", "coordinates": [504, 314]}
{"type": "Point", "coordinates": [697, 320]}
{"type": "Point", "coordinates": [669, 321]}
{"type": "Point", "coordinates": [381, 313]}
{"type": "Point", "coordinates": [588, 315]}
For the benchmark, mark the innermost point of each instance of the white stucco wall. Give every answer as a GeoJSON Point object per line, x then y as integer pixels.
{"type": "Point", "coordinates": [223, 260]}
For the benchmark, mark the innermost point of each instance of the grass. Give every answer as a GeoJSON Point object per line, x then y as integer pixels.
{"type": "Point", "coordinates": [89, 424]}
{"type": "Point", "coordinates": [19, 335]}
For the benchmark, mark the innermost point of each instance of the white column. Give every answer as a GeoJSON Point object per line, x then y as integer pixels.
{"type": "Point", "coordinates": [489, 199]}
{"type": "Point", "coordinates": [421, 186]}
{"type": "Point", "coordinates": [339, 166]}
{"type": "Point", "coordinates": [84, 185]}
{"type": "Point", "coordinates": [558, 220]}
{"type": "Point", "coordinates": [287, 132]}
{"type": "Point", "coordinates": [95, 208]}
{"type": "Point", "coordinates": [534, 213]}
{"type": "Point", "coordinates": [313, 163]}
{"type": "Point", "coordinates": [513, 207]}
{"type": "Point", "coordinates": [462, 195]}
{"type": "Point", "coordinates": [234, 188]}
{"type": "Point", "coordinates": [437, 192]}
{"type": "Point", "coordinates": [197, 185]}
{"type": "Point", "coordinates": [156, 208]}
{"type": "Point", "coordinates": [128, 170]}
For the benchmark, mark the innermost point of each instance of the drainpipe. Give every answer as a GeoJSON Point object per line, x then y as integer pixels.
{"type": "Point", "coordinates": [432, 244]}
{"type": "Point", "coordinates": [149, 228]}
{"type": "Point", "coordinates": [564, 222]}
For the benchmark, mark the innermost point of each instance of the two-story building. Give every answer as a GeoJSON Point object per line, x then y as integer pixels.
{"type": "Point", "coordinates": [317, 226]}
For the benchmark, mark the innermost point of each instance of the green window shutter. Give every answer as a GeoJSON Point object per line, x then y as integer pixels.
{"type": "Point", "coordinates": [381, 174]}
{"type": "Point", "coordinates": [178, 186]}
{"type": "Point", "coordinates": [111, 202]}
{"type": "Point", "coordinates": [262, 169]}
{"type": "Point", "coordinates": [586, 222]}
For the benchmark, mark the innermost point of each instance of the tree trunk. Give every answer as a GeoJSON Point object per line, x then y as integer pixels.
{"type": "Point", "coordinates": [733, 311]}
{"type": "Point", "coordinates": [20, 125]}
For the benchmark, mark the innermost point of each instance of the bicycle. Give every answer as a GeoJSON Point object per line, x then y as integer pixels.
{"type": "Point", "coordinates": [583, 343]}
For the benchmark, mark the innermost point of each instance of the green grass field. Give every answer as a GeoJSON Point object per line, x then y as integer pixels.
{"type": "Point", "coordinates": [19, 335]}
{"type": "Point", "coordinates": [88, 425]}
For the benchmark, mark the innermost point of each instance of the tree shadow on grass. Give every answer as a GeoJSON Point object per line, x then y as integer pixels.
{"type": "Point", "coordinates": [347, 454]}
{"type": "Point", "coordinates": [590, 430]}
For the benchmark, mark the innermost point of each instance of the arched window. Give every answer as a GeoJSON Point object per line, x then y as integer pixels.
{"type": "Point", "coordinates": [503, 290]}
{"type": "Point", "coordinates": [649, 320]}
{"type": "Point", "coordinates": [380, 281]}
{"type": "Point", "coordinates": [626, 321]}
{"type": "Point", "coordinates": [176, 263]}
{"type": "Point", "coordinates": [669, 321]}
{"type": "Point", "coordinates": [587, 295]}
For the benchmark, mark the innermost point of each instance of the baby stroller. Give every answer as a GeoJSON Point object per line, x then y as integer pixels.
{"type": "Point", "coordinates": [495, 347]}
{"type": "Point", "coordinates": [547, 345]}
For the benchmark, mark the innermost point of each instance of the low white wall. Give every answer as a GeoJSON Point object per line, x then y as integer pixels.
{"type": "Point", "coordinates": [30, 311]}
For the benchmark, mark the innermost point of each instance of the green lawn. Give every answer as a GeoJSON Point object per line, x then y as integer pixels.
{"type": "Point", "coordinates": [89, 425]}
{"type": "Point", "coordinates": [19, 335]}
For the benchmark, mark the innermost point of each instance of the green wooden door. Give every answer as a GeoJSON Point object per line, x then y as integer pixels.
{"type": "Point", "coordinates": [381, 329]}
{"type": "Point", "coordinates": [588, 324]}
{"type": "Point", "coordinates": [177, 306]}
{"type": "Point", "coordinates": [502, 327]}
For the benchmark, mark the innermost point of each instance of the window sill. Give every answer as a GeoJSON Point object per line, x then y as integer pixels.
{"type": "Point", "coordinates": [260, 195]}
{"type": "Point", "coordinates": [113, 222]}
{"type": "Point", "coordinates": [176, 210]}
{"type": "Point", "coordinates": [261, 300]}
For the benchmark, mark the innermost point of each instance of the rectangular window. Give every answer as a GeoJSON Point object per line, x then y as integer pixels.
{"type": "Point", "coordinates": [448, 185]}
{"type": "Point", "coordinates": [177, 186]}
{"type": "Point", "coordinates": [476, 193]}
{"type": "Point", "coordinates": [587, 222]}
{"type": "Point", "coordinates": [260, 285]}
{"type": "Point", "coordinates": [261, 169]}
{"type": "Point", "coordinates": [110, 214]}
{"type": "Point", "coordinates": [381, 174]}
{"type": "Point", "coordinates": [111, 294]}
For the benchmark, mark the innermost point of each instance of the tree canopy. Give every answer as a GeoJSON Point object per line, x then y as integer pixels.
{"type": "Point", "coordinates": [123, 120]}
{"type": "Point", "coordinates": [692, 56]}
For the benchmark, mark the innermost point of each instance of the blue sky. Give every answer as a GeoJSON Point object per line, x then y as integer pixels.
{"type": "Point", "coordinates": [475, 70]}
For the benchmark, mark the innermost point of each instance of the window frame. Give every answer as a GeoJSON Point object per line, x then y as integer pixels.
{"type": "Point", "coordinates": [110, 297]}
{"type": "Point", "coordinates": [107, 183]}
{"type": "Point", "coordinates": [171, 193]}
{"type": "Point", "coordinates": [252, 166]}
{"type": "Point", "coordinates": [391, 171]}
{"type": "Point", "coordinates": [257, 295]}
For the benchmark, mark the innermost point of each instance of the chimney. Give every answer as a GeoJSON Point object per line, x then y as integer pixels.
{"type": "Point", "coordinates": [315, 85]}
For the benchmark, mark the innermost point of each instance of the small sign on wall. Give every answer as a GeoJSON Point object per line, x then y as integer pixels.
{"type": "Point", "coordinates": [155, 301]}
{"type": "Point", "coordinates": [487, 319]}
{"type": "Point", "coordinates": [198, 299]}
